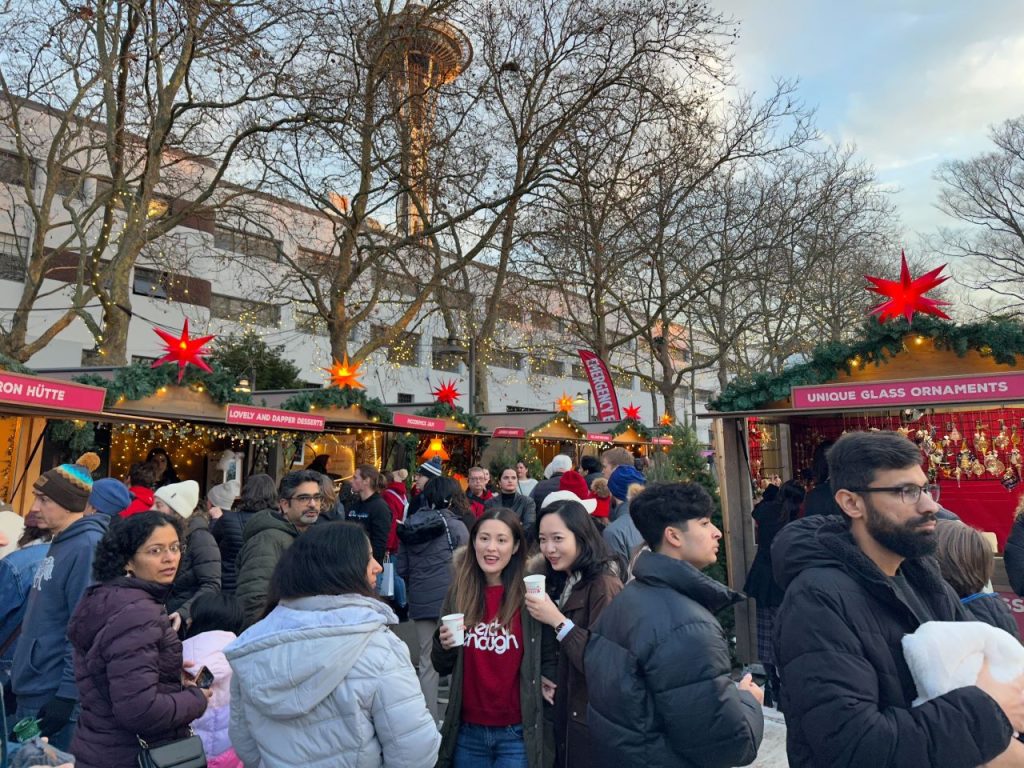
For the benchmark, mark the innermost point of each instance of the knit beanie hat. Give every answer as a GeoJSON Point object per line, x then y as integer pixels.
{"type": "Point", "coordinates": [181, 497]}
{"type": "Point", "coordinates": [561, 463]}
{"type": "Point", "coordinates": [110, 496]}
{"type": "Point", "coordinates": [575, 482]}
{"type": "Point", "coordinates": [224, 495]}
{"type": "Point", "coordinates": [624, 476]}
{"type": "Point", "coordinates": [70, 484]}
{"type": "Point", "coordinates": [430, 468]}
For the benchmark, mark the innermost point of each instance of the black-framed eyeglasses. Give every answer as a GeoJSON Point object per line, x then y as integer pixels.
{"type": "Point", "coordinates": [305, 498]}
{"type": "Point", "coordinates": [909, 494]}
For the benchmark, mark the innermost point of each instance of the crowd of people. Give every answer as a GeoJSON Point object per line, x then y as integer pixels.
{"type": "Point", "coordinates": [571, 614]}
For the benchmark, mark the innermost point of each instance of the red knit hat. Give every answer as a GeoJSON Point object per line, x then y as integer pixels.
{"type": "Point", "coordinates": [575, 482]}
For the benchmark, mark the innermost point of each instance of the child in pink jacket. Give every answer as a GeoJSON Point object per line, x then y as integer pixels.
{"type": "Point", "coordinates": [216, 621]}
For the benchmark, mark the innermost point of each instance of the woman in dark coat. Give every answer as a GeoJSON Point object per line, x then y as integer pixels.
{"type": "Point", "coordinates": [581, 581]}
{"type": "Point", "coordinates": [128, 664]}
{"type": "Point", "coordinates": [258, 493]}
{"type": "Point", "coordinates": [429, 537]}
{"type": "Point", "coordinates": [771, 514]}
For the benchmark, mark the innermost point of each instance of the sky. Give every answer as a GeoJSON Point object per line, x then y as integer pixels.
{"type": "Point", "coordinates": [910, 83]}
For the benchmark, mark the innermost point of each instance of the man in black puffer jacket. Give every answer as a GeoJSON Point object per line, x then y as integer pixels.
{"type": "Point", "coordinates": [855, 585]}
{"type": "Point", "coordinates": [657, 663]}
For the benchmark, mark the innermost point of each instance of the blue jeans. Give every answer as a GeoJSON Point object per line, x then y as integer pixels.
{"type": "Point", "coordinates": [484, 746]}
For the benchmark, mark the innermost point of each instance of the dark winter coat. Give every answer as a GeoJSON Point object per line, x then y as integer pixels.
{"type": "Point", "coordinates": [544, 487]}
{"type": "Point", "coordinates": [426, 566]}
{"type": "Point", "coordinates": [658, 669]}
{"type": "Point", "coordinates": [821, 500]}
{"type": "Point", "coordinates": [846, 688]}
{"type": "Point", "coordinates": [199, 572]}
{"type": "Point", "coordinates": [760, 583]}
{"type": "Point", "coordinates": [1013, 557]}
{"type": "Point", "coordinates": [128, 668]}
{"type": "Point", "coordinates": [586, 602]}
{"type": "Point", "coordinates": [524, 508]}
{"type": "Point", "coordinates": [990, 608]}
{"type": "Point", "coordinates": [266, 536]}
{"type": "Point", "coordinates": [539, 659]}
{"type": "Point", "coordinates": [374, 515]}
{"type": "Point", "coordinates": [229, 532]}
{"type": "Point", "coordinates": [43, 666]}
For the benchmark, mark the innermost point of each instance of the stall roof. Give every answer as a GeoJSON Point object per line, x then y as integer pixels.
{"type": "Point", "coordinates": [528, 421]}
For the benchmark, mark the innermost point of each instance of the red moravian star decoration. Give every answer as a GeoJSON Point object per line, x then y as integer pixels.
{"type": "Point", "coordinates": [907, 296]}
{"type": "Point", "coordinates": [632, 412]}
{"type": "Point", "coordinates": [184, 350]}
{"type": "Point", "coordinates": [344, 374]}
{"type": "Point", "coordinates": [446, 393]}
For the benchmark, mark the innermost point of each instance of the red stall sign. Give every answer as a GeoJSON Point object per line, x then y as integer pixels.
{"type": "Point", "coordinates": [510, 432]}
{"type": "Point", "coordinates": [992, 387]}
{"type": "Point", "coordinates": [49, 393]}
{"type": "Point", "coordinates": [251, 416]}
{"type": "Point", "coordinates": [420, 422]}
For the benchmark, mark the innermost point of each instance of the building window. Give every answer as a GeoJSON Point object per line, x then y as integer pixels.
{"type": "Point", "coordinates": [143, 360]}
{"type": "Point", "coordinates": [150, 282]}
{"type": "Point", "coordinates": [542, 321]}
{"type": "Point", "coordinates": [13, 255]}
{"type": "Point", "coordinates": [444, 361]}
{"type": "Point", "coordinates": [521, 409]}
{"type": "Point", "coordinates": [703, 395]}
{"type": "Point", "coordinates": [404, 398]}
{"type": "Point", "coordinates": [623, 380]}
{"type": "Point", "coordinates": [247, 243]}
{"type": "Point", "coordinates": [506, 358]}
{"type": "Point", "coordinates": [244, 310]}
{"type": "Point", "coordinates": [509, 312]}
{"type": "Point", "coordinates": [11, 166]}
{"type": "Point", "coordinates": [455, 299]}
{"type": "Point", "coordinates": [404, 350]}
{"type": "Point", "coordinates": [545, 367]}
{"type": "Point", "coordinates": [312, 323]}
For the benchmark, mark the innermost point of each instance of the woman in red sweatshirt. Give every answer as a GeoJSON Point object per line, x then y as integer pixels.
{"type": "Point", "coordinates": [495, 713]}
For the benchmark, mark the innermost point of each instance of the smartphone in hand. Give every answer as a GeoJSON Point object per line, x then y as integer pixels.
{"type": "Point", "coordinates": [204, 678]}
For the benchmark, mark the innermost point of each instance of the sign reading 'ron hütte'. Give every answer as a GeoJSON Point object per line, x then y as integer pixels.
{"type": "Point", "coordinates": [601, 385]}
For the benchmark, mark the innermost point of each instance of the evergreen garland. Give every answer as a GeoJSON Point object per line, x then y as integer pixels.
{"type": "Point", "coordinates": [569, 419]}
{"type": "Point", "coordinates": [12, 365]}
{"type": "Point", "coordinates": [77, 438]}
{"type": "Point", "coordinates": [455, 413]}
{"type": "Point", "coordinates": [345, 397]}
{"type": "Point", "coordinates": [140, 380]}
{"type": "Point", "coordinates": [1000, 337]}
{"type": "Point", "coordinates": [625, 424]}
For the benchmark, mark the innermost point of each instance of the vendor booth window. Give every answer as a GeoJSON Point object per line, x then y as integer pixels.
{"type": "Point", "coordinates": [13, 253]}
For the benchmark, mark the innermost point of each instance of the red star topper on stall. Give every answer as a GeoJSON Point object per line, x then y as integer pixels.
{"type": "Point", "coordinates": [345, 375]}
{"type": "Point", "coordinates": [183, 350]}
{"type": "Point", "coordinates": [632, 412]}
{"type": "Point", "coordinates": [446, 393]}
{"type": "Point", "coordinates": [907, 296]}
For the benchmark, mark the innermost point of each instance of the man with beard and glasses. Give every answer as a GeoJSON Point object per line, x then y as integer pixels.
{"type": "Point", "coordinates": [854, 586]}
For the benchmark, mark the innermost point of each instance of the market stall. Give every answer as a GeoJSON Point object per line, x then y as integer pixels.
{"type": "Point", "coordinates": [539, 434]}
{"type": "Point", "coordinates": [957, 391]}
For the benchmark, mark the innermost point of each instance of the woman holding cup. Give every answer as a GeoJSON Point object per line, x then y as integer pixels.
{"type": "Point", "coordinates": [495, 715]}
{"type": "Point", "coordinates": [582, 577]}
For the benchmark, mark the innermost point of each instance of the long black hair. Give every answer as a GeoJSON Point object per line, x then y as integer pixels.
{"type": "Point", "coordinates": [442, 492]}
{"type": "Point", "coordinates": [170, 473]}
{"type": "Point", "coordinates": [329, 559]}
{"type": "Point", "coordinates": [593, 556]}
{"type": "Point", "coordinates": [124, 538]}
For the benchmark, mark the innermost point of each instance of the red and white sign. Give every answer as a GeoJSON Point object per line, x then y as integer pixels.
{"type": "Point", "coordinates": [511, 432]}
{"type": "Point", "coordinates": [251, 416]}
{"type": "Point", "coordinates": [50, 393]}
{"type": "Point", "coordinates": [420, 422]}
{"type": "Point", "coordinates": [661, 441]}
{"type": "Point", "coordinates": [602, 386]}
{"type": "Point", "coordinates": [1016, 605]}
{"type": "Point", "coordinates": [599, 437]}
{"type": "Point", "coordinates": [993, 387]}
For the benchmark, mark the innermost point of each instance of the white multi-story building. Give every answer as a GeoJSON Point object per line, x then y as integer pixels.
{"type": "Point", "coordinates": [225, 274]}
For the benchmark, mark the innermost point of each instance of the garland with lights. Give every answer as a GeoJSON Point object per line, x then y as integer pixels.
{"type": "Point", "coordinates": [1002, 338]}
{"type": "Point", "coordinates": [558, 417]}
{"type": "Point", "coordinates": [625, 425]}
{"type": "Point", "coordinates": [139, 381]}
{"type": "Point", "coordinates": [345, 397]}
{"type": "Point", "coordinates": [455, 413]}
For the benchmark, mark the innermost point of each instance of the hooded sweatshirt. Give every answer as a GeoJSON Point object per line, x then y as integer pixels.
{"type": "Point", "coordinates": [43, 666]}
{"type": "Point", "coordinates": [322, 682]}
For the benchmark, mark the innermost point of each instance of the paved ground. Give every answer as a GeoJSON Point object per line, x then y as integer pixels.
{"type": "Point", "coordinates": [773, 749]}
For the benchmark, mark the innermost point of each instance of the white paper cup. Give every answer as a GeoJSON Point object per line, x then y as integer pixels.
{"type": "Point", "coordinates": [534, 584]}
{"type": "Point", "coordinates": [456, 623]}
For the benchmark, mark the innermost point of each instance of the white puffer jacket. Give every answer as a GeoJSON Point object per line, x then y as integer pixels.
{"type": "Point", "coordinates": [321, 682]}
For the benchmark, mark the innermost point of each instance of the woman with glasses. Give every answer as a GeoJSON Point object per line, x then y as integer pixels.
{"type": "Point", "coordinates": [128, 662]}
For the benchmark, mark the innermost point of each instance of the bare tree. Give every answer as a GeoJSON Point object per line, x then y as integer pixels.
{"type": "Point", "coordinates": [986, 195]}
{"type": "Point", "coordinates": [135, 114]}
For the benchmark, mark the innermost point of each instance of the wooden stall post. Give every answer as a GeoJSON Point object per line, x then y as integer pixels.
{"type": "Point", "coordinates": [737, 500]}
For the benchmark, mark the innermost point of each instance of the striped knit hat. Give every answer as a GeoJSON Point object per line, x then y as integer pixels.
{"type": "Point", "coordinates": [70, 484]}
